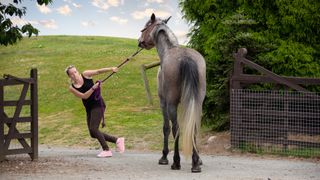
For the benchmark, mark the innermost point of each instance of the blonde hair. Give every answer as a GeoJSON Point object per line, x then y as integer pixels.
{"type": "Point", "coordinates": [67, 69]}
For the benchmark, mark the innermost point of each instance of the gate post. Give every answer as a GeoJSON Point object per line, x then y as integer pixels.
{"type": "Point", "coordinates": [1, 123]}
{"type": "Point", "coordinates": [34, 114]}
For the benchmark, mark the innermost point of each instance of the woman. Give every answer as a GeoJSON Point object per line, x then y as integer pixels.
{"type": "Point", "coordinates": [82, 86]}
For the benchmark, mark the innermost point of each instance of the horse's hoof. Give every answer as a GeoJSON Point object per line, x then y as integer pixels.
{"type": "Point", "coordinates": [196, 169]}
{"type": "Point", "coordinates": [175, 166]}
{"type": "Point", "coordinates": [163, 161]}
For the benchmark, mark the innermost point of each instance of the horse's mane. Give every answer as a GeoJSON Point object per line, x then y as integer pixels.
{"type": "Point", "coordinates": [172, 39]}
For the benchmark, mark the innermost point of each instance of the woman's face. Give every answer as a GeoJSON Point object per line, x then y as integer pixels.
{"type": "Point", "coordinates": [73, 73]}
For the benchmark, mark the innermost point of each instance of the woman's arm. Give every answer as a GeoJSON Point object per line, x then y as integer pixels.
{"type": "Point", "coordinates": [90, 73]}
{"type": "Point", "coordinates": [85, 95]}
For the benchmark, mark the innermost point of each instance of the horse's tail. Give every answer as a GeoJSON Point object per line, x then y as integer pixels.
{"type": "Point", "coordinates": [190, 110]}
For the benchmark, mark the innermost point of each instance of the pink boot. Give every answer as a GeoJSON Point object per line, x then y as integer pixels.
{"type": "Point", "coordinates": [105, 153]}
{"type": "Point", "coordinates": [120, 145]}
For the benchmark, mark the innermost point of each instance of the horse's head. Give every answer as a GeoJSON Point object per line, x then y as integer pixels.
{"type": "Point", "coordinates": [146, 39]}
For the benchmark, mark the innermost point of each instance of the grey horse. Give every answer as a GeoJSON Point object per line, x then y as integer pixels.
{"type": "Point", "coordinates": [181, 82]}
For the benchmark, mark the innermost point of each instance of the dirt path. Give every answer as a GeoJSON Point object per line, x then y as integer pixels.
{"type": "Point", "coordinates": [76, 163]}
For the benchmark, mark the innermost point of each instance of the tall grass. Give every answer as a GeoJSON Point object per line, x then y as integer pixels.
{"type": "Point", "coordinates": [61, 115]}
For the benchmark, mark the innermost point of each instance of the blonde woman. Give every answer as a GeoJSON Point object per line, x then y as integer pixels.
{"type": "Point", "coordinates": [83, 87]}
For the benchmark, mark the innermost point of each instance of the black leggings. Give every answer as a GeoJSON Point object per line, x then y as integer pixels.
{"type": "Point", "coordinates": [93, 121]}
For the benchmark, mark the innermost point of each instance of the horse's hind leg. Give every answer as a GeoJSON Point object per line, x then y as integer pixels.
{"type": "Point", "coordinates": [166, 131]}
{"type": "Point", "coordinates": [196, 161]}
{"type": "Point", "coordinates": [176, 157]}
{"type": "Point", "coordinates": [172, 115]}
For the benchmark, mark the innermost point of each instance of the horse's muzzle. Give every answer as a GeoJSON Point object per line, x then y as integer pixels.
{"type": "Point", "coordinates": [141, 44]}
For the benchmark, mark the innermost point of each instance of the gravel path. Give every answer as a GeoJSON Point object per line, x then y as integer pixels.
{"type": "Point", "coordinates": [70, 163]}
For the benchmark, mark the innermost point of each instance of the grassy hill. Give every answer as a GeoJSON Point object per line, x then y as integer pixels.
{"type": "Point", "coordinates": [61, 114]}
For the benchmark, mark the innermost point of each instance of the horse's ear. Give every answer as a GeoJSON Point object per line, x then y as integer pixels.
{"type": "Point", "coordinates": [153, 17]}
{"type": "Point", "coordinates": [165, 21]}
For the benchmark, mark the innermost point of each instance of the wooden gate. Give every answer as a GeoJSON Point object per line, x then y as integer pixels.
{"type": "Point", "coordinates": [11, 123]}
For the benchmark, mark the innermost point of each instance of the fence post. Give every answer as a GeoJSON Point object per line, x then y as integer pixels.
{"type": "Point", "coordinates": [238, 67]}
{"type": "Point", "coordinates": [34, 114]}
{"type": "Point", "coordinates": [235, 116]}
{"type": "Point", "coordinates": [146, 83]}
{"type": "Point", "coordinates": [2, 156]}
{"type": "Point", "coordinates": [145, 67]}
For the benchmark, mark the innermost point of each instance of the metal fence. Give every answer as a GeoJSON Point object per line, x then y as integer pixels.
{"type": "Point", "coordinates": [285, 122]}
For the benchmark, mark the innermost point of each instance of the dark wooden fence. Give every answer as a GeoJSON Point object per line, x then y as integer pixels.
{"type": "Point", "coordinates": [286, 119]}
{"type": "Point", "coordinates": [13, 132]}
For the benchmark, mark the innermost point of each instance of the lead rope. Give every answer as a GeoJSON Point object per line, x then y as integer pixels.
{"type": "Point", "coordinates": [97, 97]}
{"type": "Point", "coordinates": [97, 91]}
{"type": "Point", "coordinates": [124, 62]}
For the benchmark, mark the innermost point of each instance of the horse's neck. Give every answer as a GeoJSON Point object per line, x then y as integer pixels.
{"type": "Point", "coordinates": [164, 43]}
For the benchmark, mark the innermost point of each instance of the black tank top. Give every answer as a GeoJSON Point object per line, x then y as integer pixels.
{"type": "Point", "coordinates": [90, 102]}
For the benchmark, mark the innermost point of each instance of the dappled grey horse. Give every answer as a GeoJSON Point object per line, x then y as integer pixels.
{"type": "Point", "coordinates": [181, 81]}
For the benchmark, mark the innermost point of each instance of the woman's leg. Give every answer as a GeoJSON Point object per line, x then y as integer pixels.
{"type": "Point", "coordinates": [109, 138]}
{"type": "Point", "coordinates": [95, 119]}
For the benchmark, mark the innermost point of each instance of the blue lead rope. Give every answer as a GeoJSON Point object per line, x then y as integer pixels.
{"type": "Point", "coordinates": [97, 97]}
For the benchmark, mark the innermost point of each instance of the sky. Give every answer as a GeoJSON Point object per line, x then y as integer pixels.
{"type": "Point", "coordinates": [116, 18]}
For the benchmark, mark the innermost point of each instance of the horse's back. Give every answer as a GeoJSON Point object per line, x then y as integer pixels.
{"type": "Point", "coordinates": [178, 54]}
{"type": "Point", "coordinates": [169, 74]}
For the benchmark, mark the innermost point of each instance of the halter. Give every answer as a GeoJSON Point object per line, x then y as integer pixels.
{"type": "Point", "coordinates": [155, 24]}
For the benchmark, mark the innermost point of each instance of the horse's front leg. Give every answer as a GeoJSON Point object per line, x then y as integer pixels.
{"type": "Point", "coordinates": [166, 131]}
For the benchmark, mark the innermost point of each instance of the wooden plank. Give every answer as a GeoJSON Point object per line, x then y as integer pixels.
{"type": "Point", "coordinates": [14, 103]}
{"type": "Point", "coordinates": [18, 151]}
{"type": "Point", "coordinates": [19, 120]}
{"type": "Point", "coordinates": [146, 84]}
{"type": "Point", "coordinates": [17, 135]}
{"type": "Point", "coordinates": [34, 114]}
{"type": "Point", "coordinates": [278, 79]}
{"type": "Point", "coordinates": [152, 65]}
{"type": "Point", "coordinates": [252, 79]}
{"type": "Point", "coordinates": [12, 82]}
{"type": "Point", "coordinates": [2, 155]}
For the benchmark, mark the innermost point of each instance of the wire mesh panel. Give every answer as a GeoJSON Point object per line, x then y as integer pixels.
{"type": "Point", "coordinates": [285, 122]}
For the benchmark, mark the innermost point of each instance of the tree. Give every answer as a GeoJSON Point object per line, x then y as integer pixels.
{"type": "Point", "coordinates": [281, 35]}
{"type": "Point", "coordinates": [9, 33]}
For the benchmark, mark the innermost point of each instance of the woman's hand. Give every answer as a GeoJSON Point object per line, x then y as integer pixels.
{"type": "Point", "coordinates": [95, 86]}
{"type": "Point", "coordinates": [115, 69]}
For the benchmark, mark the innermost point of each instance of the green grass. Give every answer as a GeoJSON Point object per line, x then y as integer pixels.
{"type": "Point", "coordinates": [61, 114]}
{"type": "Point", "coordinates": [297, 151]}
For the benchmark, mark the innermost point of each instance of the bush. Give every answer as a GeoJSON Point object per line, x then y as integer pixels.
{"type": "Point", "coordinates": [281, 35]}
